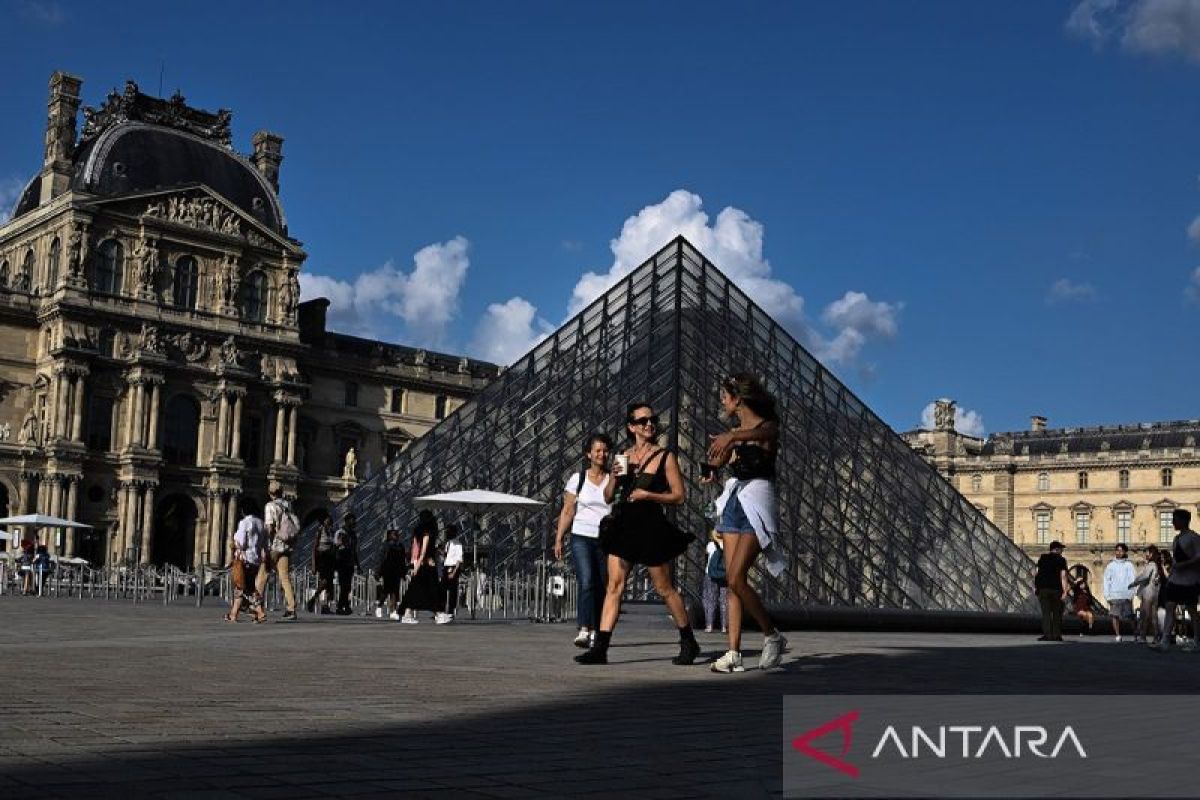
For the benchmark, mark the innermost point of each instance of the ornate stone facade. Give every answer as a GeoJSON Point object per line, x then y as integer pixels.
{"type": "Point", "coordinates": [1086, 487]}
{"type": "Point", "coordinates": [156, 363]}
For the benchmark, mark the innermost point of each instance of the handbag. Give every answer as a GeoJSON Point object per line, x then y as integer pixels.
{"type": "Point", "coordinates": [716, 567]}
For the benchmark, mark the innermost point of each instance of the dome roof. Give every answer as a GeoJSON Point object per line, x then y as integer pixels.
{"type": "Point", "coordinates": [134, 157]}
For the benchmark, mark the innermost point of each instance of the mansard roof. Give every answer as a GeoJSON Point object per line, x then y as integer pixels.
{"type": "Point", "coordinates": [1143, 436]}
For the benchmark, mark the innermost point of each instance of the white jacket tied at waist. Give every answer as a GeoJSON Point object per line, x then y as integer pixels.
{"type": "Point", "coordinates": [758, 501]}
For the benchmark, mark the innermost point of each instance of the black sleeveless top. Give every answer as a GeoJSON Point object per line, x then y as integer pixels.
{"type": "Point", "coordinates": [752, 461]}
{"type": "Point", "coordinates": [656, 481]}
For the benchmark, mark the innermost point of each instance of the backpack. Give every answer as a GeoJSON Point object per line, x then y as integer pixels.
{"type": "Point", "coordinates": [286, 531]}
{"type": "Point", "coordinates": [716, 567]}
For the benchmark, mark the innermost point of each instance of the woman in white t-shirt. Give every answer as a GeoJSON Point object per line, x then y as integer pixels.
{"type": "Point", "coordinates": [583, 508]}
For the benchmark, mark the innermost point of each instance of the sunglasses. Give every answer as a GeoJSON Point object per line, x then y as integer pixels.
{"type": "Point", "coordinates": [642, 421]}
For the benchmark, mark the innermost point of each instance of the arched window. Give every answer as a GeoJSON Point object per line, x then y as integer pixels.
{"type": "Point", "coordinates": [1083, 480]}
{"type": "Point", "coordinates": [1123, 479]}
{"type": "Point", "coordinates": [1043, 481]}
{"type": "Point", "coordinates": [27, 271]}
{"type": "Point", "coordinates": [187, 282]}
{"type": "Point", "coordinates": [1167, 475]}
{"type": "Point", "coordinates": [254, 297]}
{"type": "Point", "coordinates": [52, 264]}
{"type": "Point", "coordinates": [976, 483]}
{"type": "Point", "coordinates": [181, 430]}
{"type": "Point", "coordinates": [109, 258]}
{"type": "Point", "coordinates": [4, 276]}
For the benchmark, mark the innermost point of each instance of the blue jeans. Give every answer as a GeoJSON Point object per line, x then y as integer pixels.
{"type": "Point", "coordinates": [591, 570]}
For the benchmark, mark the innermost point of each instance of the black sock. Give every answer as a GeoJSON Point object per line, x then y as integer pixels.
{"type": "Point", "coordinates": [602, 640]}
{"type": "Point", "coordinates": [686, 634]}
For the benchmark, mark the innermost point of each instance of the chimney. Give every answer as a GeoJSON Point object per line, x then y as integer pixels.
{"type": "Point", "coordinates": [1037, 424]}
{"type": "Point", "coordinates": [311, 315]}
{"type": "Point", "coordinates": [268, 155]}
{"type": "Point", "coordinates": [63, 106]}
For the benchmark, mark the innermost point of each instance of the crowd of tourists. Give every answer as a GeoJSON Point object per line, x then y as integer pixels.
{"type": "Point", "coordinates": [264, 546]}
{"type": "Point", "coordinates": [1166, 587]}
{"type": "Point", "coordinates": [614, 510]}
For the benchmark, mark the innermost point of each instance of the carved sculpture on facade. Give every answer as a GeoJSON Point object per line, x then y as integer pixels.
{"type": "Point", "coordinates": [227, 282]}
{"type": "Point", "coordinates": [149, 340]}
{"type": "Point", "coordinates": [193, 347]}
{"type": "Point", "coordinates": [21, 279]}
{"type": "Point", "coordinates": [29, 429]}
{"type": "Point", "coordinates": [279, 369]}
{"type": "Point", "coordinates": [77, 252]}
{"type": "Point", "coordinates": [1003, 446]}
{"type": "Point", "coordinates": [173, 112]}
{"type": "Point", "coordinates": [145, 256]}
{"type": "Point", "coordinates": [350, 471]}
{"type": "Point", "coordinates": [944, 412]}
{"type": "Point", "coordinates": [289, 297]}
{"type": "Point", "coordinates": [230, 355]}
{"type": "Point", "coordinates": [5, 432]}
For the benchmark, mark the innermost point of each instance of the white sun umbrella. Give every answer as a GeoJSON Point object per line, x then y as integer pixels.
{"type": "Point", "coordinates": [477, 502]}
{"type": "Point", "coordinates": [36, 521]}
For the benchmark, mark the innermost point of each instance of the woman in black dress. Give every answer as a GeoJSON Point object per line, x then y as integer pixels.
{"type": "Point", "coordinates": [424, 589]}
{"type": "Point", "coordinates": [638, 531]}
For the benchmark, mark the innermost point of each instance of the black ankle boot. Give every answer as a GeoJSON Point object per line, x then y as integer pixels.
{"type": "Point", "coordinates": [598, 652]}
{"type": "Point", "coordinates": [689, 650]}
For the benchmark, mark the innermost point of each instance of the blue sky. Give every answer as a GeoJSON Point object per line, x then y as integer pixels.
{"type": "Point", "coordinates": [989, 202]}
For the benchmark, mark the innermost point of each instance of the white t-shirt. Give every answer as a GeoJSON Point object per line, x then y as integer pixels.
{"type": "Point", "coordinates": [590, 507]}
{"type": "Point", "coordinates": [454, 553]}
{"type": "Point", "coordinates": [249, 538]}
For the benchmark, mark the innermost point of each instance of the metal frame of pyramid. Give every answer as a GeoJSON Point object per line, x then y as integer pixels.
{"type": "Point", "coordinates": [866, 522]}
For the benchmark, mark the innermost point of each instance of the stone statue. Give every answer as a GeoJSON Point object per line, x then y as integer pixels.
{"type": "Point", "coordinates": [21, 281]}
{"type": "Point", "coordinates": [230, 356]}
{"type": "Point", "coordinates": [29, 429]}
{"type": "Point", "coordinates": [155, 209]}
{"type": "Point", "coordinates": [944, 412]}
{"type": "Point", "coordinates": [289, 296]}
{"type": "Point", "coordinates": [76, 248]}
{"type": "Point", "coordinates": [5, 432]}
{"type": "Point", "coordinates": [149, 340]}
{"type": "Point", "coordinates": [146, 257]}
{"type": "Point", "coordinates": [225, 282]}
{"type": "Point", "coordinates": [351, 468]}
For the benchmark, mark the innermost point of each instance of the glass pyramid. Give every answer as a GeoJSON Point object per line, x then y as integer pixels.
{"type": "Point", "coordinates": [867, 522]}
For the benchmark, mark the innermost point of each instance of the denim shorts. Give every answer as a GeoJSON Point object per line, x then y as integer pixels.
{"type": "Point", "coordinates": [733, 516]}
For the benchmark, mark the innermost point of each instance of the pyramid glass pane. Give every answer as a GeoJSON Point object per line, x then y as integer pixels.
{"type": "Point", "coordinates": [864, 521]}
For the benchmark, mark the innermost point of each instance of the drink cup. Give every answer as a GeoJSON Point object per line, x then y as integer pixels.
{"type": "Point", "coordinates": [622, 464]}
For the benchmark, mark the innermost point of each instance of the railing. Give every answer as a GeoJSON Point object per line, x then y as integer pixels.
{"type": "Point", "coordinates": [546, 593]}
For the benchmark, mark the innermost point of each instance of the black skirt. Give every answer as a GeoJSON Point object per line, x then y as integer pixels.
{"type": "Point", "coordinates": [424, 590]}
{"type": "Point", "coordinates": [640, 532]}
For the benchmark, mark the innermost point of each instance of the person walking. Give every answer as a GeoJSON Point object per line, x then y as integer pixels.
{"type": "Point", "coordinates": [1183, 584]}
{"type": "Point", "coordinates": [1147, 583]}
{"type": "Point", "coordinates": [1118, 591]}
{"type": "Point", "coordinates": [346, 560]}
{"type": "Point", "coordinates": [584, 506]}
{"type": "Point", "coordinates": [715, 589]}
{"type": "Point", "coordinates": [747, 511]}
{"type": "Point", "coordinates": [638, 532]}
{"type": "Point", "coordinates": [25, 565]}
{"type": "Point", "coordinates": [1052, 586]}
{"type": "Point", "coordinates": [423, 590]}
{"type": "Point", "coordinates": [392, 563]}
{"type": "Point", "coordinates": [323, 564]}
{"type": "Point", "coordinates": [452, 561]}
{"type": "Point", "coordinates": [1082, 598]}
{"type": "Point", "coordinates": [283, 528]}
{"type": "Point", "coordinates": [42, 567]}
{"type": "Point", "coordinates": [248, 551]}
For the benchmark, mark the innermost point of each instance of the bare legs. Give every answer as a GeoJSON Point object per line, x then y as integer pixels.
{"type": "Point", "coordinates": [618, 573]}
{"type": "Point", "coordinates": [740, 552]}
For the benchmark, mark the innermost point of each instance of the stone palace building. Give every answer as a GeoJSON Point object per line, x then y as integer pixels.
{"type": "Point", "coordinates": [1086, 487]}
{"type": "Point", "coordinates": [156, 363]}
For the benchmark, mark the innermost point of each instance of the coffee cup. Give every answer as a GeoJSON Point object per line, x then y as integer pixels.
{"type": "Point", "coordinates": [622, 464]}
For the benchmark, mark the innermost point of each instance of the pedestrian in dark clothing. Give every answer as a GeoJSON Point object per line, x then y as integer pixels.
{"type": "Point", "coordinates": [1052, 587]}
{"type": "Point", "coordinates": [346, 560]}
{"type": "Point", "coordinates": [392, 566]}
{"type": "Point", "coordinates": [323, 563]}
{"type": "Point", "coordinates": [424, 590]}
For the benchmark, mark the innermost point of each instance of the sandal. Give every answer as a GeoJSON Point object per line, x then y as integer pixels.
{"type": "Point", "coordinates": [229, 618]}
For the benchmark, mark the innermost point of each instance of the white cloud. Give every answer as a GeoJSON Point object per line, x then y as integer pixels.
{"type": "Point", "coordinates": [10, 192]}
{"type": "Point", "coordinates": [1064, 290]}
{"type": "Point", "coordinates": [509, 330]}
{"type": "Point", "coordinates": [965, 421]}
{"type": "Point", "coordinates": [1155, 27]}
{"type": "Point", "coordinates": [734, 242]}
{"type": "Point", "coordinates": [424, 300]}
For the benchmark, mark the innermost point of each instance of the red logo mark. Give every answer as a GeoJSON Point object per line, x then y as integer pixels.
{"type": "Point", "coordinates": [844, 724]}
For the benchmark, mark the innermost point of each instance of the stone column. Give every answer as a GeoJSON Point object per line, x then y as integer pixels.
{"type": "Point", "coordinates": [280, 419]}
{"type": "Point", "coordinates": [25, 489]}
{"type": "Point", "coordinates": [293, 414]}
{"type": "Point", "coordinates": [222, 415]}
{"type": "Point", "coordinates": [215, 556]}
{"type": "Point", "coordinates": [129, 532]}
{"type": "Point", "coordinates": [147, 524]}
{"type": "Point", "coordinates": [77, 422]}
{"type": "Point", "coordinates": [59, 424]}
{"type": "Point", "coordinates": [53, 510]}
{"type": "Point", "coordinates": [72, 509]}
{"type": "Point", "coordinates": [139, 392]}
{"type": "Point", "coordinates": [236, 450]}
{"type": "Point", "coordinates": [155, 408]}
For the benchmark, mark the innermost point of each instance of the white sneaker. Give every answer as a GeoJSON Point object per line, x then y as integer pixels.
{"type": "Point", "coordinates": [1117, 637]}
{"type": "Point", "coordinates": [409, 619]}
{"type": "Point", "coordinates": [583, 638]}
{"type": "Point", "coordinates": [442, 618]}
{"type": "Point", "coordinates": [772, 651]}
{"type": "Point", "coordinates": [378, 612]}
{"type": "Point", "coordinates": [393, 615]}
{"type": "Point", "coordinates": [730, 662]}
